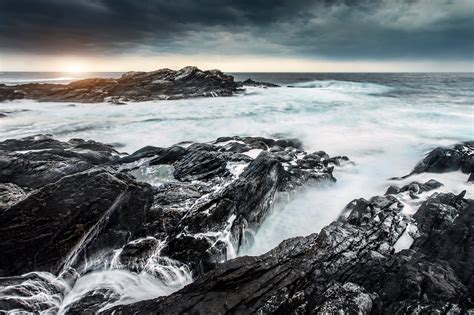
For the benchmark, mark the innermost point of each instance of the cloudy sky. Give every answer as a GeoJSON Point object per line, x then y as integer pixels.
{"type": "Point", "coordinates": [238, 35]}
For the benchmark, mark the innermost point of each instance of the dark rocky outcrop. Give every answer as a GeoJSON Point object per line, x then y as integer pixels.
{"type": "Point", "coordinates": [162, 84]}
{"type": "Point", "coordinates": [69, 209]}
{"type": "Point", "coordinates": [44, 232]}
{"type": "Point", "coordinates": [39, 160]}
{"type": "Point", "coordinates": [77, 205]}
{"type": "Point", "coordinates": [354, 265]}
{"type": "Point", "coordinates": [442, 160]}
{"type": "Point", "coordinates": [250, 82]}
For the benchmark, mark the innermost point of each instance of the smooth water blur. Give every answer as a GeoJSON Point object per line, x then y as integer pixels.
{"type": "Point", "coordinates": [385, 123]}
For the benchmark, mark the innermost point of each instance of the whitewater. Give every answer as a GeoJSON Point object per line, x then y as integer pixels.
{"type": "Point", "coordinates": [384, 123]}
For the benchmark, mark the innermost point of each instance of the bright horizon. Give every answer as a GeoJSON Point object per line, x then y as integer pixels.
{"type": "Point", "coordinates": [78, 64]}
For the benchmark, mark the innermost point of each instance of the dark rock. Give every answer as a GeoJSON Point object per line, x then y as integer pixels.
{"type": "Point", "coordinates": [33, 288]}
{"type": "Point", "coordinates": [414, 188]}
{"type": "Point", "coordinates": [392, 190]}
{"type": "Point", "coordinates": [148, 151]}
{"type": "Point", "coordinates": [337, 160]}
{"type": "Point", "coordinates": [199, 165]}
{"type": "Point", "coordinates": [294, 143]}
{"type": "Point", "coordinates": [321, 154]}
{"type": "Point", "coordinates": [104, 218]}
{"type": "Point", "coordinates": [169, 155]}
{"type": "Point", "coordinates": [39, 160]}
{"type": "Point", "coordinates": [351, 266]}
{"type": "Point", "coordinates": [10, 194]}
{"type": "Point", "coordinates": [42, 230]}
{"type": "Point", "coordinates": [37, 142]}
{"type": "Point", "coordinates": [250, 82]}
{"type": "Point", "coordinates": [441, 160]}
{"type": "Point", "coordinates": [132, 86]}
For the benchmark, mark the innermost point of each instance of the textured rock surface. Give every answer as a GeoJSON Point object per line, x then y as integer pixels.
{"type": "Point", "coordinates": [351, 266]}
{"type": "Point", "coordinates": [132, 86]}
{"type": "Point", "coordinates": [69, 209]}
{"type": "Point", "coordinates": [250, 82]}
{"type": "Point", "coordinates": [442, 160]}
{"type": "Point", "coordinates": [80, 205]}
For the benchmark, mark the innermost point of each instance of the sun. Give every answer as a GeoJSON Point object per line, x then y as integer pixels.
{"type": "Point", "coordinates": [75, 68]}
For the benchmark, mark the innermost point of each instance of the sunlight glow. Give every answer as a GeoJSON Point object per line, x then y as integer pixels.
{"type": "Point", "coordinates": [74, 68]}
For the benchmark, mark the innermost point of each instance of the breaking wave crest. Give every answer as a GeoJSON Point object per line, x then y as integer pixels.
{"type": "Point", "coordinates": [345, 86]}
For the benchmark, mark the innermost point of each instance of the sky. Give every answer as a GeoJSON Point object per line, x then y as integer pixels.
{"type": "Point", "coordinates": [237, 35]}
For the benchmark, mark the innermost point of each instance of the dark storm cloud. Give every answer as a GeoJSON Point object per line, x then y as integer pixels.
{"type": "Point", "coordinates": [334, 29]}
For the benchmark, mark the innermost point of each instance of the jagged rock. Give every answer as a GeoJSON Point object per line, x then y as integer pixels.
{"type": "Point", "coordinates": [42, 230]}
{"type": "Point", "coordinates": [373, 259]}
{"type": "Point", "coordinates": [10, 194]}
{"type": "Point", "coordinates": [351, 266]}
{"type": "Point", "coordinates": [105, 217]}
{"type": "Point", "coordinates": [441, 160]}
{"type": "Point", "coordinates": [132, 86]}
{"type": "Point", "coordinates": [37, 142]}
{"type": "Point", "coordinates": [169, 155]}
{"type": "Point", "coordinates": [250, 82]}
{"type": "Point", "coordinates": [414, 188]}
{"type": "Point", "coordinates": [200, 165]}
{"type": "Point", "coordinates": [39, 160]}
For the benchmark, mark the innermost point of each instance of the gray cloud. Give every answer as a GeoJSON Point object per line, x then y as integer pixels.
{"type": "Point", "coordinates": [333, 29]}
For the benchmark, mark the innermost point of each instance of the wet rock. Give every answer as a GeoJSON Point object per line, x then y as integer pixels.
{"type": "Point", "coordinates": [169, 155]}
{"type": "Point", "coordinates": [441, 160]}
{"type": "Point", "coordinates": [37, 142]}
{"type": "Point", "coordinates": [91, 302]}
{"type": "Point", "coordinates": [10, 194]}
{"type": "Point", "coordinates": [250, 82]}
{"type": "Point", "coordinates": [103, 217]}
{"type": "Point", "coordinates": [199, 165]}
{"type": "Point", "coordinates": [132, 86]}
{"type": "Point", "coordinates": [39, 160]}
{"type": "Point", "coordinates": [42, 230]}
{"type": "Point", "coordinates": [414, 188]}
{"type": "Point", "coordinates": [350, 266]}
{"type": "Point", "coordinates": [145, 152]}
{"type": "Point", "coordinates": [392, 190]}
{"type": "Point", "coordinates": [36, 292]}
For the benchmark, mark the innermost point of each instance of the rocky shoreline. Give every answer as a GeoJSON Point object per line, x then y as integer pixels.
{"type": "Point", "coordinates": [69, 209]}
{"type": "Point", "coordinates": [134, 86]}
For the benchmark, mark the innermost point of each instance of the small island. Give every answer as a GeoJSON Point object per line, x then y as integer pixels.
{"type": "Point", "coordinates": [163, 84]}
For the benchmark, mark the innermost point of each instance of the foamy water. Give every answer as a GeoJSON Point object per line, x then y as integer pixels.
{"type": "Point", "coordinates": [385, 128]}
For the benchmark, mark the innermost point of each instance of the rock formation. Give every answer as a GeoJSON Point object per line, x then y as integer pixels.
{"type": "Point", "coordinates": [162, 84]}
{"type": "Point", "coordinates": [442, 160]}
{"type": "Point", "coordinates": [373, 259]}
{"type": "Point", "coordinates": [82, 206]}
{"type": "Point", "coordinates": [70, 209]}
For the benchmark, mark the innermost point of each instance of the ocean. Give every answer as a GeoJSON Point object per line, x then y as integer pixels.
{"type": "Point", "coordinates": [384, 122]}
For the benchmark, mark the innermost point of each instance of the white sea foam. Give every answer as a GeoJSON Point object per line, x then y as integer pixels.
{"type": "Point", "coordinates": [39, 80]}
{"type": "Point", "coordinates": [345, 86]}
